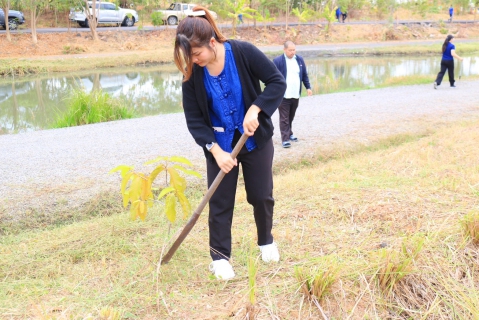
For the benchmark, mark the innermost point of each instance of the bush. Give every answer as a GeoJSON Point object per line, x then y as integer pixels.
{"type": "Point", "coordinates": [94, 107]}
{"type": "Point", "coordinates": [156, 19]}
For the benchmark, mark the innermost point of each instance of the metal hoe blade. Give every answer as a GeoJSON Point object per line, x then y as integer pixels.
{"type": "Point", "coordinates": [196, 214]}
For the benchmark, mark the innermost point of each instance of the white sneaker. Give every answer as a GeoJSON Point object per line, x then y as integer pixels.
{"type": "Point", "coordinates": [222, 269]}
{"type": "Point", "coordinates": [269, 252]}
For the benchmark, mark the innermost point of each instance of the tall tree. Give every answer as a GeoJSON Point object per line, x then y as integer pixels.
{"type": "Point", "coordinates": [5, 5]}
{"type": "Point", "coordinates": [36, 8]}
{"type": "Point", "coordinates": [90, 14]}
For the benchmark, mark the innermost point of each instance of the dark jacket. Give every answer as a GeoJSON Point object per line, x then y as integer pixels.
{"type": "Point", "coordinates": [253, 66]}
{"type": "Point", "coordinates": [280, 62]}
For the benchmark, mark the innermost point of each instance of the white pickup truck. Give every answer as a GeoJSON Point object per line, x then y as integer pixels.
{"type": "Point", "coordinates": [177, 12]}
{"type": "Point", "coordinates": [106, 13]}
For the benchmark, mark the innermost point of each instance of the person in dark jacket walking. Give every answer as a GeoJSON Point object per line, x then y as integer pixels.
{"type": "Point", "coordinates": [451, 13]}
{"type": "Point", "coordinates": [222, 99]}
{"type": "Point", "coordinates": [447, 62]}
{"type": "Point", "coordinates": [293, 69]}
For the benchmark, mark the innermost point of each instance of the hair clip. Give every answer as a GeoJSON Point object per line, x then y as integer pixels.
{"type": "Point", "coordinates": [197, 13]}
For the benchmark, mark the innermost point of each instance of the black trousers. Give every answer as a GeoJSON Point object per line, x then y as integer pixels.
{"type": "Point", "coordinates": [287, 111]}
{"type": "Point", "coordinates": [258, 180]}
{"type": "Point", "coordinates": [449, 66]}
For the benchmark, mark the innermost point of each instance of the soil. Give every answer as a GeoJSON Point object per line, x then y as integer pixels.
{"type": "Point", "coordinates": [118, 41]}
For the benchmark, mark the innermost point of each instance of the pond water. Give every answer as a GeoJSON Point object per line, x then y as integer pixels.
{"type": "Point", "coordinates": [33, 103]}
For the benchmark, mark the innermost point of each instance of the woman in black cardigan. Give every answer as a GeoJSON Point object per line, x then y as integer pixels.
{"type": "Point", "coordinates": [222, 99]}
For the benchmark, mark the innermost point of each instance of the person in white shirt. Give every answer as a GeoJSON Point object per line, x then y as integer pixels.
{"type": "Point", "coordinates": [293, 69]}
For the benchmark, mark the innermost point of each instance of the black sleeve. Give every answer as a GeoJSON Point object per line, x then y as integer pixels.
{"type": "Point", "coordinates": [265, 70]}
{"type": "Point", "coordinates": [305, 79]}
{"type": "Point", "coordinates": [197, 118]}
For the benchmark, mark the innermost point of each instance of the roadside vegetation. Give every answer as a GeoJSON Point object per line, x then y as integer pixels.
{"type": "Point", "coordinates": [378, 231]}
{"type": "Point", "coordinates": [94, 107]}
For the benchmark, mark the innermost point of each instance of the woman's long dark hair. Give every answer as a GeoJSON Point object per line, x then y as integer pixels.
{"type": "Point", "coordinates": [193, 32]}
{"type": "Point", "coordinates": [446, 42]}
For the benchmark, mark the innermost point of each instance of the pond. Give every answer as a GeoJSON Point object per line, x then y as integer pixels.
{"type": "Point", "coordinates": [33, 103]}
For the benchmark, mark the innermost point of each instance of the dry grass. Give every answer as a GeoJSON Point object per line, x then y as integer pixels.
{"type": "Point", "coordinates": [350, 208]}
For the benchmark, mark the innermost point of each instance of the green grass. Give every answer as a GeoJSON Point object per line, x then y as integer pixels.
{"type": "Point", "coordinates": [393, 210]}
{"type": "Point", "coordinates": [40, 65]}
{"type": "Point", "coordinates": [94, 107]}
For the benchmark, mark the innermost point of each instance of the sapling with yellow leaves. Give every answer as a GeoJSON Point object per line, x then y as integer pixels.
{"type": "Point", "coordinates": [137, 187]}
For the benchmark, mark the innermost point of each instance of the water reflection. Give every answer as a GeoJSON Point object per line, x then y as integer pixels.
{"type": "Point", "coordinates": [34, 103]}
{"type": "Point", "coordinates": [333, 74]}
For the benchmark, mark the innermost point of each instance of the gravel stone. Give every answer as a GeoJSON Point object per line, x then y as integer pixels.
{"type": "Point", "coordinates": [69, 166]}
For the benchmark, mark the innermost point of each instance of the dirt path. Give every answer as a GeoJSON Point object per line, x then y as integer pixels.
{"type": "Point", "coordinates": [67, 167]}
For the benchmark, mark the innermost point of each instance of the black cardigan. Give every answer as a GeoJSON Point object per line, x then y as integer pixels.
{"type": "Point", "coordinates": [253, 66]}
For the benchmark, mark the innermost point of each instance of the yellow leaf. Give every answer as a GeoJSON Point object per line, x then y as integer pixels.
{"type": "Point", "coordinates": [133, 210]}
{"type": "Point", "coordinates": [156, 160]}
{"type": "Point", "coordinates": [185, 204]}
{"type": "Point", "coordinates": [145, 189]}
{"type": "Point", "coordinates": [165, 191]}
{"type": "Point", "coordinates": [142, 209]}
{"type": "Point", "coordinates": [124, 169]}
{"type": "Point", "coordinates": [135, 187]}
{"type": "Point", "coordinates": [176, 181]}
{"type": "Point", "coordinates": [125, 180]}
{"type": "Point", "coordinates": [187, 171]}
{"type": "Point", "coordinates": [156, 172]}
{"type": "Point", "coordinates": [180, 160]}
{"type": "Point", "coordinates": [170, 207]}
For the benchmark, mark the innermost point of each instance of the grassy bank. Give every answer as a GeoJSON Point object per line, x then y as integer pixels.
{"type": "Point", "coordinates": [383, 220]}
{"type": "Point", "coordinates": [76, 63]}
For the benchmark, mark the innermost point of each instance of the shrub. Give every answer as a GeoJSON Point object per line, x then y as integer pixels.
{"type": "Point", "coordinates": [156, 19]}
{"type": "Point", "coordinates": [94, 107]}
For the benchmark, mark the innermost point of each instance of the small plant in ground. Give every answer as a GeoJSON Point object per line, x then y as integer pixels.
{"type": "Point", "coordinates": [110, 313]}
{"type": "Point", "coordinates": [137, 188]}
{"type": "Point", "coordinates": [395, 265]}
{"type": "Point", "coordinates": [317, 282]}
{"type": "Point", "coordinates": [443, 31]}
{"type": "Point", "coordinates": [94, 107]}
{"type": "Point", "coordinates": [470, 224]}
{"type": "Point", "coordinates": [73, 49]}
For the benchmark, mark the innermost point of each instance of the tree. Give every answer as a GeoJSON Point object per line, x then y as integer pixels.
{"type": "Point", "coordinates": [329, 13]}
{"type": "Point", "coordinates": [305, 15]}
{"type": "Point", "coordinates": [90, 14]}
{"type": "Point", "coordinates": [36, 7]}
{"type": "Point", "coordinates": [5, 5]}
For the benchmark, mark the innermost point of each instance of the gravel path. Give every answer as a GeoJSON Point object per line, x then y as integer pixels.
{"type": "Point", "coordinates": [69, 166]}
